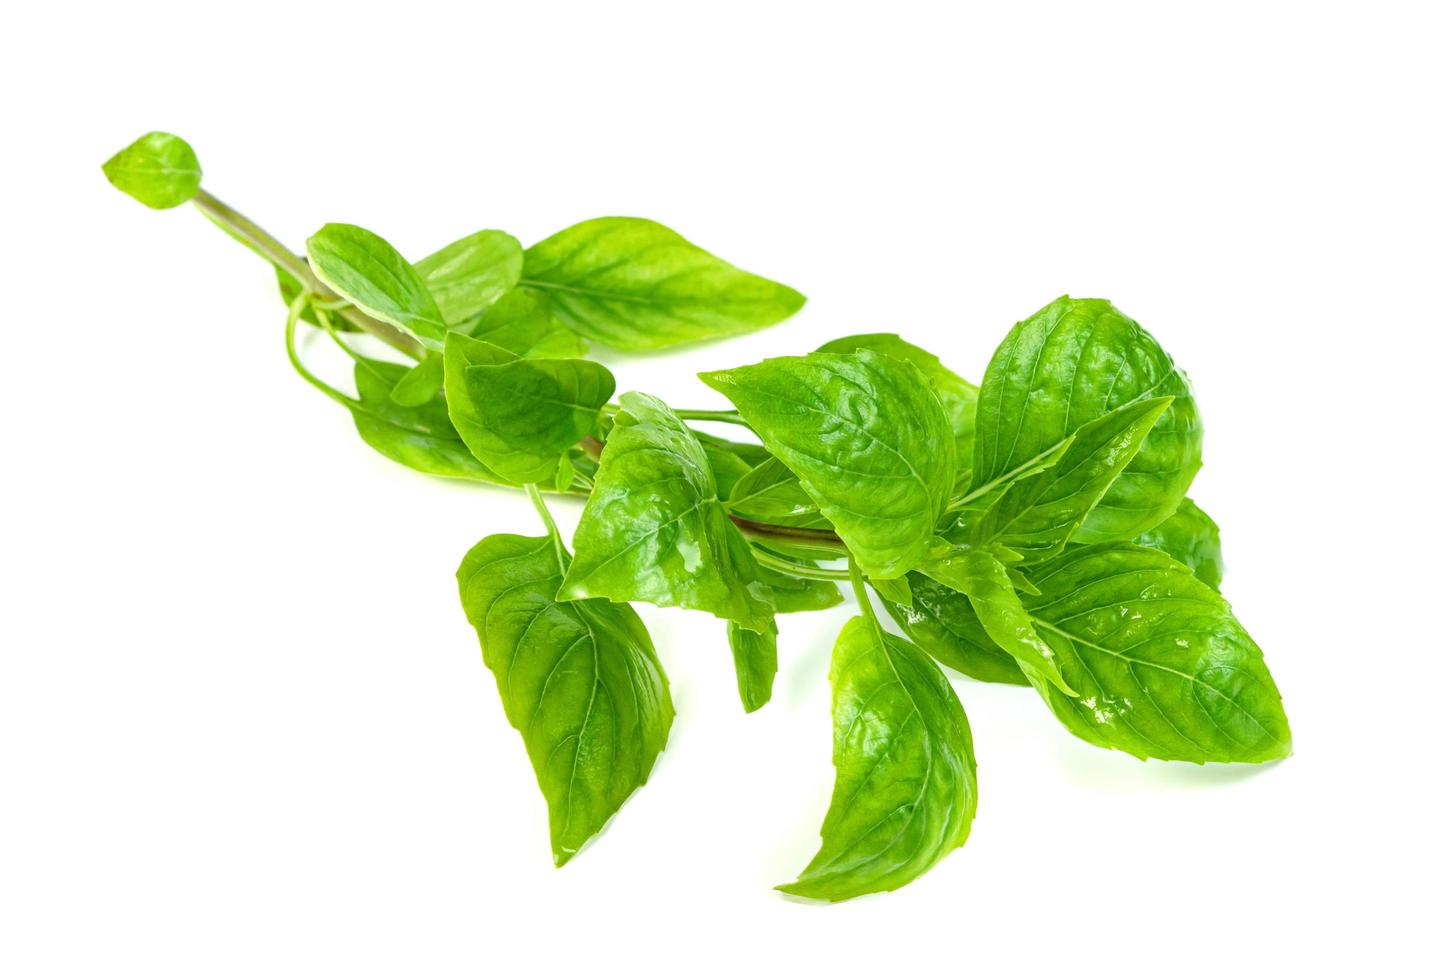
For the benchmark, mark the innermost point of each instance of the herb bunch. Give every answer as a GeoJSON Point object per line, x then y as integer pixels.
{"type": "Point", "coordinates": [1031, 531]}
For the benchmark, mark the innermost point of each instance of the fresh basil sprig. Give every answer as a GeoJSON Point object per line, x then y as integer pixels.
{"type": "Point", "coordinates": [1032, 531]}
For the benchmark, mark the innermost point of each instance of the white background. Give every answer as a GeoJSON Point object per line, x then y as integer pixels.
{"type": "Point", "coordinates": [244, 728]}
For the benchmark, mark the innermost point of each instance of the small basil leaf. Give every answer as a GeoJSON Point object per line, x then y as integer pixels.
{"type": "Point", "coordinates": [773, 494]}
{"type": "Point", "coordinates": [159, 170]}
{"type": "Point", "coordinates": [754, 653]}
{"type": "Point", "coordinates": [942, 623]}
{"type": "Point", "coordinates": [566, 473]}
{"type": "Point", "coordinates": [727, 467]}
{"type": "Point", "coordinates": [905, 789]}
{"type": "Point", "coordinates": [369, 273]}
{"type": "Point", "coordinates": [468, 276]}
{"type": "Point", "coordinates": [791, 594]}
{"type": "Point", "coordinates": [751, 453]}
{"type": "Point", "coordinates": [1068, 364]}
{"type": "Point", "coordinates": [1037, 515]}
{"type": "Point", "coordinates": [579, 681]}
{"type": "Point", "coordinates": [422, 383]}
{"type": "Point", "coordinates": [518, 416]}
{"type": "Point", "coordinates": [1191, 538]}
{"type": "Point", "coordinates": [978, 575]}
{"type": "Point", "coordinates": [866, 438]}
{"type": "Point", "coordinates": [523, 322]}
{"type": "Point", "coordinates": [653, 529]}
{"type": "Point", "coordinates": [1159, 665]}
{"type": "Point", "coordinates": [636, 285]}
{"type": "Point", "coordinates": [892, 589]}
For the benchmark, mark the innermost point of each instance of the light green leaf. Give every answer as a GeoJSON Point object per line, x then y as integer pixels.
{"type": "Point", "coordinates": [579, 681]}
{"type": "Point", "coordinates": [518, 416]}
{"type": "Point", "coordinates": [1191, 538]}
{"type": "Point", "coordinates": [791, 594]}
{"type": "Point", "coordinates": [892, 589]}
{"type": "Point", "coordinates": [422, 383]}
{"type": "Point", "coordinates": [369, 273]}
{"type": "Point", "coordinates": [727, 467]}
{"type": "Point", "coordinates": [1037, 515]}
{"type": "Point", "coordinates": [654, 530]}
{"type": "Point", "coordinates": [468, 276]}
{"type": "Point", "coordinates": [942, 623]}
{"type": "Point", "coordinates": [867, 439]}
{"type": "Point", "coordinates": [1072, 362]}
{"type": "Point", "coordinates": [159, 170]}
{"type": "Point", "coordinates": [755, 656]}
{"type": "Point", "coordinates": [772, 493]}
{"type": "Point", "coordinates": [523, 322]}
{"type": "Point", "coordinates": [1159, 665]}
{"type": "Point", "coordinates": [905, 789]}
{"type": "Point", "coordinates": [752, 453]}
{"type": "Point", "coordinates": [636, 285]}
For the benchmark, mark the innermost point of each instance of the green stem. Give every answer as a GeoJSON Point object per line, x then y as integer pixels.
{"type": "Point", "coordinates": [780, 564]}
{"type": "Point", "coordinates": [295, 309]}
{"type": "Point", "coordinates": [536, 496]}
{"type": "Point", "coordinates": [803, 536]}
{"type": "Point", "coordinates": [858, 585]}
{"type": "Point", "coordinates": [702, 415]}
{"type": "Point", "coordinates": [333, 332]}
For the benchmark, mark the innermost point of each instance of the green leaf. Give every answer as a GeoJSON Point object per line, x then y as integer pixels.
{"type": "Point", "coordinates": [771, 493]}
{"type": "Point", "coordinates": [978, 575]}
{"type": "Point", "coordinates": [518, 416]}
{"type": "Point", "coordinates": [369, 273]}
{"type": "Point", "coordinates": [942, 623]}
{"type": "Point", "coordinates": [755, 655]}
{"type": "Point", "coordinates": [636, 285]}
{"type": "Point", "coordinates": [1191, 538]}
{"type": "Point", "coordinates": [792, 595]}
{"type": "Point", "coordinates": [654, 530]}
{"type": "Point", "coordinates": [752, 453]}
{"type": "Point", "coordinates": [892, 589]}
{"type": "Point", "coordinates": [867, 439]}
{"type": "Point", "coordinates": [523, 322]}
{"type": "Point", "coordinates": [422, 383]}
{"type": "Point", "coordinates": [159, 170]}
{"type": "Point", "coordinates": [468, 276]}
{"type": "Point", "coordinates": [905, 790]}
{"type": "Point", "coordinates": [579, 681]}
{"type": "Point", "coordinates": [956, 394]}
{"type": "Point", "coordinates": [1071, 363]}
{"type": "Point", "coordinates": [1037, 515]}
{"type": "Point", "coordinates": [1159, 665]}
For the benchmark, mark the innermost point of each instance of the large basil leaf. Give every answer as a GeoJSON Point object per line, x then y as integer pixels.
{"type": "Point", "coordinates": [523, 322]}
{"type": "Point", "coordinates": [518, 416]}
{"type": "Point", "coordinates": [1072, 362]}
{"type": "Point", "coordinates": [754, 654]}
{"type": "Point", "coordinates": [1037, 515]}
{"type": "Point", "coordinates": [468, 276]}
{"type": "Point", "coordinates": [905, 789]}
{"type": "Point", "coordinates": [771, 493]}
{"type": "Point", "coordinates": [579, 681]}
{"type": "Point", "coordinates": [159, 170]}
{"type": "Point", "coordinates": [1192, 538]}
{"type": "Point", "coordinates": [942, 623]}
{"type": "Point", "coordinates": [636, 285]}
{"type": "Point", "coordinates": [867, 439]}
{"type": "Point", "coordinates": [654, 529]}
{"type": "Point", "coordinates": [1159, 665]}
{"type": "Point", "coordinates": [369, 273]}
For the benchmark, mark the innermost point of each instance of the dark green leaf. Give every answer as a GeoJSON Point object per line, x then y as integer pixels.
{"type": "Point", "coordinates": [755, 656]}
{"type": "Point", "coordinates": [369, 273]}
{"type": "Point", "coordinates": [422, 383]}
{"type": "Point", "coordinates": [578, 680]}
{"type": "Point", "coordinates": [1191, 538]}
{"type": "Point", "coordinates": [159, 170]}
{"type": "Point", "coordinates": [636, 285]}
{"type": "Point", "coordinates": [523, 322]}
{"type": "Point", "coordinates": [905, 790]}
{"type": "Point", "coordinates": [942, 623]}
{"type": "Point", "coordinates": [468, 276]}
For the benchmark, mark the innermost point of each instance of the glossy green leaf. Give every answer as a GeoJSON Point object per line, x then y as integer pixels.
{"type": "Point", "coordinates": [892, 589]}
{"type": "Point", "coordinates": [636, 285]}
{"type": "Point", "coordinates": [1159, 665]}
{"type": "Point", "coordinates": [754, 653]}
{"type": "Point", "coordinates": [654, 529]}
{"type": "Point", "coordinates": [159, 170]}
{"type": "Point", "coordinates": [727, 467]}
{"type": "Point", "coordinates": [791, 594]}
{"type": "Point", "coordinates": [523, 322]}
{"type": "Point", "coordinates": [1037, 515]}
{"type": "Point", "coordinates": [1072, 362]}
{"type": "Point", "coordinates": [752, 453]}
{"type": "Point", "coordinates": [867, 439]}
{"type": "Point", "coordinates": [468, 276]}
{"type": "Point", "coordinates": [518, 416]}
{"type": "Point", "coordinates": [369, 273]}
{"type": "Point", "coordinates": [422, 382]}
{"type": "Point", "coordinates": [905, 789]}
{"type": "Point", "coordinates": [942, 623]}
{"type": "Point", "coordinates": [980, 577]}
{"type": "Point", "coordinates": [578, 680]}
{"type": "Point", "coordinates": [1191, 538]}
{"type": "Point", "coordinates": [771, 493]}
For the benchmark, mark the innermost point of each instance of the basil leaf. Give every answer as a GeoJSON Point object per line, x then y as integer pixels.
{"type": "Point", "coordinates": [1191, 538]}
{"type": "Point", "coordinates": [1070, 363]}
{"type": "Point", "coordinates": [369, 273]}
{"type": "Point", "coordinates": [905, 789]}
{"type": "Point", "coordinates": [956, 394]}
{"type": "Point", "coordinates": [942, 623]}
{"type": "Point", "coordinates": [792, 595]}
{"type": "Point", "coordinates": [636, 285]}
{"type": "Point", "coordinates": [982, 578]}
{"type": "Point", "coordinates": [751, 453]}
{"type": "Point", "coordinates": [866, 438]}
{"type": "Point", "coordinates": [727, 467]}
{"type": "Point", "coordinates": [579, 681]}
{"type": "Point", "coordinates": [159, 170]}
{"type": "Point", "coordinates": [653, 529]}
{"type": "Point", "coordinates": [772, 493]}
{"type": "Point", "coordinates": [754, 654]}
{"type": "Point", "coordinates": [891, 589]}
{"type": "Point", "coordinates": [422, 382]}
{"type": "Point", "coordinates": [523, 322]}
{"type": "Point", "coordinates": [1037, 515]}
{"type": "Point", "coordinates": [518, 416]}
{"type": "Point", "coordinates": [1159, 665]}
{"type": "Point", "coordinates": [468, 276]}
